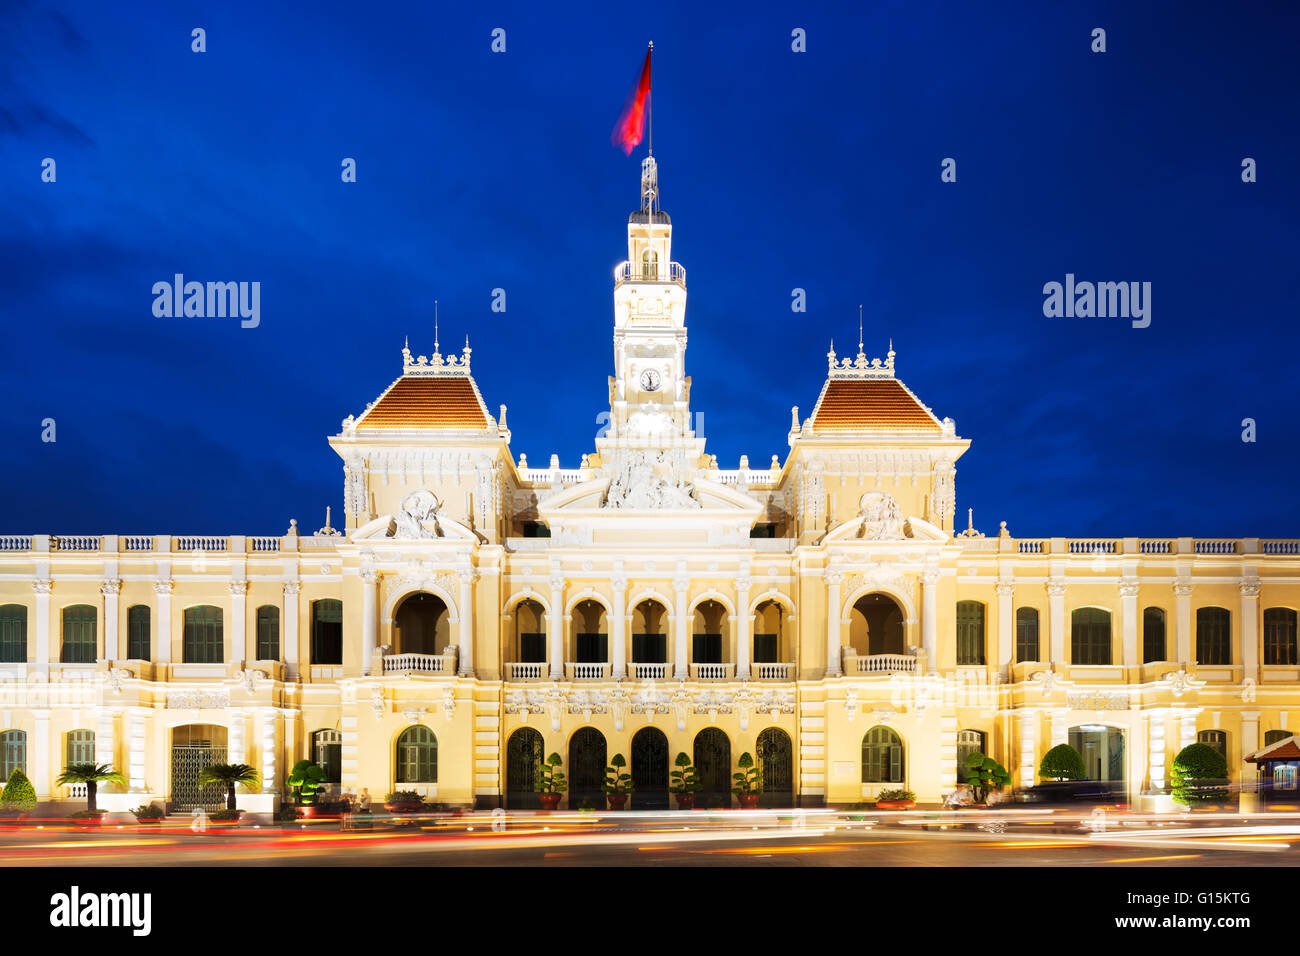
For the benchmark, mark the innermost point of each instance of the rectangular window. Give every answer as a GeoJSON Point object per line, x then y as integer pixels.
{"type": "Point", "coordinates": [203, 640]}
{"type": "Point", "coordinates": [79, 634]}
{"type": "Point", "coordinates": [13, 634]}
{"type": "Point", "coordinates": [763, 530]}
{"type": "Point", "coordinates": [649, 648]}
{"type": "Point", "coordinates": [327, 632]}
{"type": "Point", "coordinates": [766, 649]}
{"type": "Point", "coordinates": [1090, 641]}
{"type": "Point", "coordinates": [592, 648]}
{"type": "Point", "coordinates": [1280, 636]}
{"type": "Point", "coordinates": [532, 648]}
{"type": "Point", "coordinates": [970, 632]}
{"type": "Point", "coordinates": [81, 746]}
{"type": "Point", "coordinates": [536, 529]}
{"type": "Point", "coordinates": [268, 633]}
{"type": "Point", "coordinates": [1213, 637]}
{"type": "Point", "coordinates": [137, 633]}
{"type": "Point", "coordinates": [707, 649]}
{"type": "Point", "coordinates": [1027, 634]}
{"type": "Point", "coordinates": [1153, 636]}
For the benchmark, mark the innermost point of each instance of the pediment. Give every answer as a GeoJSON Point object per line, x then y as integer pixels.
{"type": "Point", "coordinates": [418, 519]}
{"type": "Point", "coordinates": [713, 500]}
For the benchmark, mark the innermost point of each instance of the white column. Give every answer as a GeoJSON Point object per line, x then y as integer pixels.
{"type": "Point", "coordinates": [1028, 747]}
{"type": "Point", "coordinates": [1056, 619]}
{"type": "Point", "coordinates": [834, 579]}
{"type": "Point", "coordinates": [1128, 612]}
{"type": "Point", "coordinates": [618, 624]}
{"type": "Point", "coordinates": [267, 719]}
{"type": "Point", "coordinates": [1156, 749]}
{"type": "Point", "coordinates": [1006, 623]}
{"type": "Point", "coordinates": [744, 632]}
{"type": "Point", "coordinates": [930, 617]}
{"type": "Point", "coordinates": [135, 740]}
{"type": "Point", "coordinates": [1250, 630]}
{"type": "Point", "coordinates": [110, 648]}
{"type": "Point", "coordinates": [289, 613]}
{"type": "Point", "coordinates": [162, 650]}
{"type": "Point", "coordinates": [680, 659]}
{"type": "Point", "coordinates": [41, 753]}
{"type": "Point", "coordinates": [1187, 728]}
{"type": "Point", "coordinates": [1183, 621]}
{"type": "Point", "coordinates": [948, 752]}
{"type": "Point", "coordinates": [237, 750]}
{"type": "Point", "coordinates": [466, 610]}
{"type": "Point", "coordinates": [350, 753]}
{"type": "Point", "coordinates": [238, 621]}
{"type": "Point", "coordinates": [369, 619]}
{"type": "Point", "coordinates": [1249, 744]}
{"type": "Point", "coordinates": [555, 628]}
{"type": "Point", "coordinates": [105, 744]}
{"type": "Point", "coordinates": [42, 637]}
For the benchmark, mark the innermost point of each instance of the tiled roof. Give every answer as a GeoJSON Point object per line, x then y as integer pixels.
{"type": "Point", "coordinates": [1285, 749]}
{"type": "Point", "coordinates": [884, 405]}
{"type": "Point", "coordinates": [443, 402]}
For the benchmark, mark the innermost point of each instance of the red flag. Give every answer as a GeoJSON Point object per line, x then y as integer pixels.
{"type": "Point", "coordinates": [631, 123]}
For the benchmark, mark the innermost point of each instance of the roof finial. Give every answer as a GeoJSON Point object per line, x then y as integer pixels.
{"type": "Point", "coordinates": [859, 327]}
{"type": "Point", "coordinates": [435, 325]}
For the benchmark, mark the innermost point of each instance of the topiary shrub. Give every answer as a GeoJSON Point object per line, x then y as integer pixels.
{"type": "Point", "coordinates": [1062, 762]}
{"type": "Point", "coordinates": [18, 796]}
{"type": "Point", "coordinates": [1199, 775]}
{"type": "Point", "coordinates": [983, 774]}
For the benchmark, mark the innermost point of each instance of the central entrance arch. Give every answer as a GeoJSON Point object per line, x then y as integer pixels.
{"type": "Point", "coordinates": [649, 770]}
{"type": "Point", "coordinates": [421, 625]}
{"type": "Point", "coordinates": [776, 765]}
{"type": "Point", "coordinates": [524, 756]}
{"type": "Point", "coordinates": [1102, 749]}
{"type": "Point", "coordinates": [195, 747]}
{"type": "Point", "coordinates": [876, 625]}
{"type": "Point", "coordinates": [713, 767]}
{"type": "Point", "coordinates": [587, 752]}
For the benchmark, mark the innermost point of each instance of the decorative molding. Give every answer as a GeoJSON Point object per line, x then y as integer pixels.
{"type": "Point", "coordinates": [1248, 691]}
{"type": "Point", "coordinates": [42, 586]}
{"type": "Point", "coordinates": [1183, 588]}
{"type": "Point", "coordinates": [1250, 587]}
{"type": "Point", "coordinates": [1128, 587]}
{"type": "Point", "coordinates": [238, 588]}
{"type": "Point", "coordinates": [1098, 700]}
{"type": "Point", "coordinates": [110, 587]}
{"type": "Point", "coordinates": [1056, 587]}
{"type": "Point", "coordinates": [196, 700]}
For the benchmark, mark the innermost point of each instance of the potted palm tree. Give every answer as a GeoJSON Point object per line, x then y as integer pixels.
{"type": "Point", "coordinates": [305, 780]}
{"type": "Point", "coordinates": [748, 782]}
{"type": "Point", "coordinates": [91, 775]}
{"type": "Point", "coordinates": [551, 783]}
{"type": "Point", "coordinates": [229, 775]}
{"type": "Point", "coordinates": [685, 783]}
{"type": "Point", "coordinates": [617, 784]}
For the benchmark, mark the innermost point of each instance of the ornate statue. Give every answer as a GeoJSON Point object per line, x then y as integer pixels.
{"type": "Point", "coordinates": [417, 508]}
{"type": "Point", "coordinates": [881, 519]}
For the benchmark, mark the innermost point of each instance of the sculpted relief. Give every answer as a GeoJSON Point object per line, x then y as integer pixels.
{"type": "Point", "coordinates": [881, 518]}
{"type": "Point", "coordinates": [648, 479]}
{"type": "Point", "coordinates": [417, 517]}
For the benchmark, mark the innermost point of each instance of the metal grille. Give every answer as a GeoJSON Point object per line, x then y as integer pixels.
{"type": "Point", "coordinates": [587, 768]}
{"type": "Point", "coordinates": [713, 765]}
{"type": "Point", "coordinates": [649, 770]}
{"type": "Point", "coordinates": [523, 764]}
{"type": "Point", "coordinates": [776, 764]}
{"type": "Point", "coordinates": [188, 761]}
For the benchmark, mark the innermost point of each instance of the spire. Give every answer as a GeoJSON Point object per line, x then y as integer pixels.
{"type": "Point", "coordinates": [435, 326]}
{"type": "Point", "coordinates": [860, 329]}
{"type": "Point", "coordinates": [649, 185]}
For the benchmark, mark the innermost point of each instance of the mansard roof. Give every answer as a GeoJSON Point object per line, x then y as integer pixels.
{"type": "Point", "coordinates": [862, 395]}
{"type": "Point", "coordinates": [432, 393]}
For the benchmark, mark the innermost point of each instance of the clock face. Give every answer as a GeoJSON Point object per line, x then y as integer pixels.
{"type": "Point", "coordinates": [650, 380]}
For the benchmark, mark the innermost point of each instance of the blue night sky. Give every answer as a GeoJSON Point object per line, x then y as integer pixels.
{"type": "Point", "coordinates": [817, 170]}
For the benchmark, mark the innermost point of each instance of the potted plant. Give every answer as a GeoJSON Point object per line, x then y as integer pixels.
{"type": "Point", "coordinates": [984, 774]}
{"type": "Point", "coordinates": [91, 775]}
{"type": "Point", "coordinates": [1062, 762]}
{"type": "Point", "coordinates": [748, 782]}
{"type": "Point", "coordinates": [89, 818]}
{"type": "Point", "coordinates": [228, 775]}
{"type": "Point", "coordinates": [149, 815]}
{"type": "Point", "coordinates": [684, 783]}
{"type": "Point", "coordinates": [305, 780]}
{"type": "Point", "coordinates": [617, 784]}
{"type": "Point", "coordinates": [225, 816]}
{"type": "Point", "coordinates": [18, 798]}
{"type": "Point", "coordinates": [1199, 775]}
{"type": "Point", "coordinates": [403, 801]}
{"type": "Point", "coordinates": [896, 799]}
{"type": "Point", "coordinates": [551, 782]}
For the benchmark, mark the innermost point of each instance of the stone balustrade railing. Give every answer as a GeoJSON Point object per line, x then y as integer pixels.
{"type": "Point", "coordinates": [576, 671]}
{"type": "Point", "coordinates": [879, 664]}
{"type": "Point", "coordinates": [649, 671]}
{"type": "Point", "coordinates": [712, 671]}
{"type": "Point", "coordinates": [772, 671]}
{"type": "Point", "coordinates": [1092, 547]}
{"type": "Point", "coordinates": [419, 664]}
{"type": "Point", "coordinates": [526, 671]}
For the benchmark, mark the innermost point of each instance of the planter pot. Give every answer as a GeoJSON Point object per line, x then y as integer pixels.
{"type": "Point", "coordinates": [685, 801]}
{"type": "Point", "coordinates": [549, 801]}
{"type": "Point", "coordinates": [895, 804]}
{"type": "Point", "coordinates": [308, 811]}
{"type": "Point", "coordinates": [617, 801]}
{"type": "Point", "coordinates": [96, 821]}
{"type": "Point", "coordinates": [404, 807]}
{"type": "Point", "coordinates": [748, 801]}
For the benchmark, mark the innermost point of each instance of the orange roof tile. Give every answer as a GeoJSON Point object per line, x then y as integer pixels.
{"type": "Point", "coordinates": [880, 404]}
{"type": "Point", "coordinates": [445, 401]}
{"type": "Point", "coordinates": [1284, 749]}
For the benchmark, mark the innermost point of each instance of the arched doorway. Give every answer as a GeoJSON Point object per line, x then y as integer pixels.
{"type": "Point", "coordinates": [195, 747]}
{"type": "Point", "coordinates": [775, 755]}
{"type": "Point", "coordinates": [876, 626]}
{"type": "Point", "coordinates": [524, 756]}
{"type": "Point", "coordinates": [649, 633]}
{"type": "Point", "coordinates": [649, 770]}
{"type": "Point", "coordinates": [708, 643]}
{"type": "Point", "coordinates": [1102, 750]}
{"type": "Point", "coordinates": [587, 768]}
{"type": "Point", "coordinates": [590, 633]}
{"type": "Point", "coordinates": [713, 767]}
{"type": "Point", "coordinates": [421, 625]}
{"type": "Point", "coordinates": [530, 632]}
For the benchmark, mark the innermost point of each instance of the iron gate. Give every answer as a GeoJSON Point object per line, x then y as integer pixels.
{"type": "Point", "coordinates": [776, 764]}
{"type": "Point", "coordinates": [524, 756]}
{"type": "Point", "coordinates": [188, 761]}
{"type": "Point", "coordinates": [713, 767]}
{"type": "Point", "coordinates": [649, 770]}
{"type": "Point", "coordinates": [587, 768]}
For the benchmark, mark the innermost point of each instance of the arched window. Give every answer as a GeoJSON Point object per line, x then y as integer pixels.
{"type": "Point", "coordinates": [590, 639]}
{"type": "Point", "coordinates": [649, 633]}
{"type": "Point", "coordinates": [1218, 739]}
{"type": "Point", "coordinates": [417, 756]}
{"type": "Point", "coordinates": [968, 742]}
{"type": "Point", "coordinates": [767, 633]}
{"type": "Point", "coordinates": [138, 637]}
{"type": "Point", "coordinates": [1280, 636]}
{"type": "Point", "coordinates": [1213, 636]}
{"type": "Point", "coordinates": [268, 633]}
{"type": "Point", "coordinates": [1027, 634]}
{"type": "Point", "coordinates": [81, 746]}
{"type": "Point", "coordinates": [13, 634]}
{"type": "Point", "coordinates": [530, 624]}
{"type": "Point", "coordinates": [1090, 636]}
{"type": "Point", "coordinates": [327, 632]}
{"type": "Point", "coordinates": [970, 632]}
{"type": "Point", "coordinates": [1153, 635]}
{"type": "Point", "coordinates": [650, 265]}
{"type": "Point", "coordinates": [79, 634]}
{"type": "Point", "coordinates": [707, 645]}
{"type": "Point", "coordinates": [1274, 736]}
{"type": "Point", "coordinates": [204, 635]}
{"type": "Point", "coordinates": [882, 756]}
{"type": "Point", "coordinates": [327, 753]}
{"type": "Point", "coordinates": [13, 752]}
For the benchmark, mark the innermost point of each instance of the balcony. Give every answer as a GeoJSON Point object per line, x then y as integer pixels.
{"type": "Point", "coordinates": [581, 671]}
{"type": "Point", "coordinates": [772, 671]}
{"type": "Point", "coordinates": [649, 273]}
{"type": "Point", "coordinates": [712, 671]}
{"type": "Point", "coordinates": [650, 671]}
{"type": "Point", "coordinates": [527, 671]}
{"type": "Point", "coordinates": [855, 664]}
{"type": "Point", "coordinates": [419, 664]}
